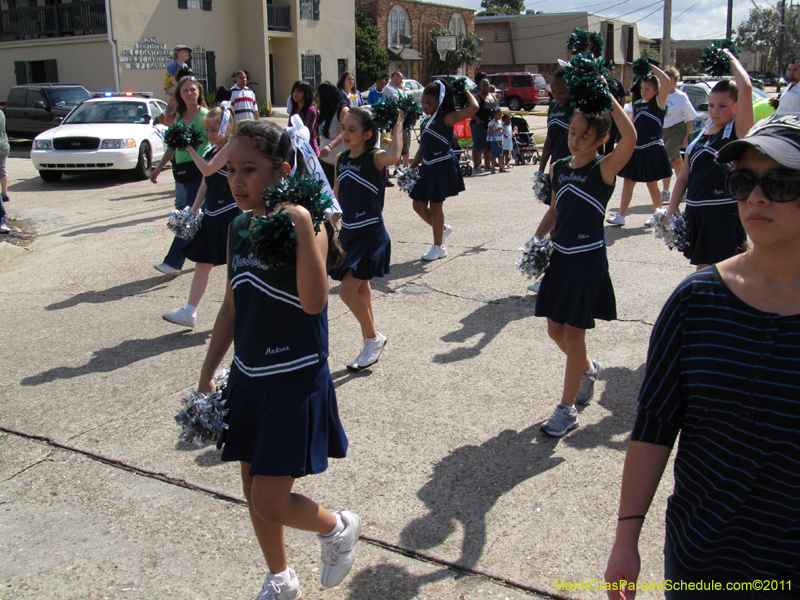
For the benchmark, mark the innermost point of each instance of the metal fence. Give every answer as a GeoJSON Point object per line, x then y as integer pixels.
{"type": "Point", "coordinates": [83, 18]}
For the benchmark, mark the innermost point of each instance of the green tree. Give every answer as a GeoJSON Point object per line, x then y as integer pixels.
{"type": "Point", "coordinates": [648, 52]}
{"type": "Point", "coordinates": [761, 32]}
{"type": "Point", "coordinates": [467, 51]}
{"type": "Point", "coordinates": [371, 59]}
{"type": "Point", "coordinates": [501, 7]}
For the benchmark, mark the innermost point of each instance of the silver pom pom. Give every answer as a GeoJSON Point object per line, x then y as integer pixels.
{"type": "Point", "coordinates": [407, 179]}
{"type": "Point", "coordinates": [542, 187]}
{"type": "Point", "coordinates": [673, 231]}
{"type": "Point", "coordinates": [535, 257]}
{"type": "Point", "coordinates": [202, 419]}
{"type": "Point", "coordinates": [185, 223]}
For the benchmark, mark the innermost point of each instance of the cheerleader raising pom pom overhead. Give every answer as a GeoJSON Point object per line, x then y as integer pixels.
{"type": "Point", "coordinates": [576, 288]}
{"type": "Point", "coordinates": [277, 321]}
{"type": "Point", "coordinates": [360, 186]}
{"type": "Point", "coordinates": [439, 175]}
{"type": "Point", "coordinates": [649, 163]}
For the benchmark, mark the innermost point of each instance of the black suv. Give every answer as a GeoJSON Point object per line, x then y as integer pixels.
{"type": "Point", "coordinates": [34, 108]}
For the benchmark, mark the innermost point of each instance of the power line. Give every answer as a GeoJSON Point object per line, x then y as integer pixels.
{"type": "Point", "coordinates": [687, 11]}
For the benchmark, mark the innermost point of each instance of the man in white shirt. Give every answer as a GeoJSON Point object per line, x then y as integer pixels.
{"type": "Point", "coordinates": [678, 125]}
{"type": "Point", "coordinates": [395, 90]}
{"type": "Point", "coordinates": [243, 99]}
{"type": "Point", "coordinates": [790, 98]}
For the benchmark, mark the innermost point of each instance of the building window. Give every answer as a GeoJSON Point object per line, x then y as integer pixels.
{"type": "Point", "coordinates": [309, 9]}
{"type": "Point", "coordinates": [198, 4]}
{"type": "Point", "coordinates": [312, 69]}
{"type": "Point", "coordinates": [457, 26]}
{"type": "Point", "coordinates": [502, 33]}
{"type": "Point", "coordinates": [399, 25]}
{"type": "Point", "coordinates": [36, 71]}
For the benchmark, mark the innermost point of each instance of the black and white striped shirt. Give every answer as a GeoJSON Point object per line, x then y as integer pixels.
{"type": "Point", "coordinates": [727, 377]}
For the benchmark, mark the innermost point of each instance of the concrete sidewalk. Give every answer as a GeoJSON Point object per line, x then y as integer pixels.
{"type": "Point", "coordinates": [446, 465]}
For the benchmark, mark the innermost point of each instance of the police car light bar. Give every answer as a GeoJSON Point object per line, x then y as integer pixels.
{"type": "Point", "coordinates": [123, 94]}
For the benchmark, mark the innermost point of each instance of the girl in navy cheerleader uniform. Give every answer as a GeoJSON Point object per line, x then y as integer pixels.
{"type": "Point", "coordinates": [208, 247]}
{"type": "Point", "coordinates": [649, 162]}
{"type": "Point", "coordinates": [283, 420]}
{"type": "Point", "coordinates": [360, 185]}
{"type": "Point", "coordinates": [576, 287]}
{"type": "Point", "coordinates": [715, 231]}
{"type": "Point", "coordinates": [439, 175]}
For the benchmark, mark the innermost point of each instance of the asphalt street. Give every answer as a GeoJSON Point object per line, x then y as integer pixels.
{"type": "Point", "coordinates": [460, 495]}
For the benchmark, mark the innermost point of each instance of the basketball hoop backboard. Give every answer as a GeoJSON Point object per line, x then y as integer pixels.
{"type": "Point", "coordinates": [445, 44]}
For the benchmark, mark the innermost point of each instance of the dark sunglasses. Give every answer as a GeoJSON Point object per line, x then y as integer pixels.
{"type": "Point", "coordinates": [777, 186]}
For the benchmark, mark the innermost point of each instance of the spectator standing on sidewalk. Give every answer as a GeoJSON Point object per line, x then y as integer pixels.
{"type": "Point", "coordinates": [790, 98]}
{"type": "Point", "coordinates": [243, 99]}
{"type": "Point", "coordinates": [376, 93]}
{"type": "Point", "coordinates": [4, 149]}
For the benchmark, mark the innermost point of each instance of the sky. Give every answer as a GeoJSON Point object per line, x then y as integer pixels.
{"type": "Point", "coordinates": [702, 19]}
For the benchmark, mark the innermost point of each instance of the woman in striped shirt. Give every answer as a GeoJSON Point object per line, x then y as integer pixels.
{"type": "Point", "coordinates": [723, 370]}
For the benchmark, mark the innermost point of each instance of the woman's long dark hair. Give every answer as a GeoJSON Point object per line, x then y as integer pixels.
{"type": "Point", "coordinates": [342, 77]}
{"type": "Point", "coordinates": [308, 98]}
{"type": "Point", "coordinates": [330, 105]}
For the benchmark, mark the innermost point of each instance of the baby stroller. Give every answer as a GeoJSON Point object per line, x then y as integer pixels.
{"type": "Point", "coordinates": [525, 148]}
{"type": "Point", "coordinates": [461, 131]}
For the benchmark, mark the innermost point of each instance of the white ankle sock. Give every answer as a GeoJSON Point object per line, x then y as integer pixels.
{"type": "Point", "coordinates": [191, 309]}
{"type": "Point", "coordinates": [339, 526]}
{"type": "Point", "coordinates": [591, 369]}
{"type": "Point", "coordinates": [283, 577]}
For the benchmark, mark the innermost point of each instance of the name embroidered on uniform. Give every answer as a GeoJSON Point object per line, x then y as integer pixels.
{"type": "Point", "coordinates": [277, 350]}
{"type": "Point", "coordinates": [360, 214]}
{"type": "Point", "coordinates": [583, 236]}
{"type": "Point", "coordinates": [349, 167]}
{"type": "Point", "coordinates": [251, 261]}
{"type": "Point", "coordinates": [562, 178]}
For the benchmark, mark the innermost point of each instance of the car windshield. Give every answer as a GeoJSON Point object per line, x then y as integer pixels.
{"type": "Point", "coordinates": [759, 94]}
{"type": "Point", "coordinates": [66, 96]}
{"type": "Point", "coordinates": [109, 112]}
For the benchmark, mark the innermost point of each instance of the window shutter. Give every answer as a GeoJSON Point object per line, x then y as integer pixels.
{"type": "Point", "coordinates": [316, 10]}
{"type": "Point", "coordinates": [21, 71]}
{"type": "Point", "coordinates": [211, 70]}
{"type": "Point", "coordinates": [51, 71]}
{"type": "Point", "coordinates": [206, 4]}
{"type": "Point", "coordinates": [183, 4]}
{"type": "Point", "coordinates": [317, 70]}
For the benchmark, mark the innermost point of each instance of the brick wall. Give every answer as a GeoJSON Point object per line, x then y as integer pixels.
{"type": "Point", "coordinates": [423, 16]}
{"type": "Point", "coordinates": [688, 56]}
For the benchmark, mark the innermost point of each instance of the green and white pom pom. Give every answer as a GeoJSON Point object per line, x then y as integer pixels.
{"type": "Point", "coordinates": [641, 67]}
{"type": "Point", "coordinates": [412, 109]}
{"type": "Point", "coordinates": [385, 114]}
{"type": "Point", "coordinates": [584, 78]}
{"type": "Point", "coordinates": [579, 40]}
{"type": "Point", "coordinates": [179, 136]}
{"type": "Point", "coordinates": [459, 89]}
{"type": "Point", "coordinates": [714, 61]}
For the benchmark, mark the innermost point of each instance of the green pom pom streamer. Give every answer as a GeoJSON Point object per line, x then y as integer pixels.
{"type": "Point", "coordinates": [413, 111]}
{"type": "Point", "coordinates": [714, 61]}
{"type": "Point", "coordinates": [273, 236]}
{"type": "Point", "coordinates": [179, 136]}
{"type": "Point", "coordinates": [583, 77]}
{"type": "Point", "coordinates": [385, 113]}
{"type": "Point", "coordinates": [641, 67]}
{"type": "Point", "coordinates": [579, 40]}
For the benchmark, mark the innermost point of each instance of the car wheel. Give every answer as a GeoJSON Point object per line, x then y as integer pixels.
{"type": "Point", "coordinates": [145, 164]}
{"type": "Point", "coordinates": [515, 104]}
{"type": "Point", "coordinates": [50, 176]}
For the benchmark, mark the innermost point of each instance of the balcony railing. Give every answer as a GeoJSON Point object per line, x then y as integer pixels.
{"type": "Point", "coordinates": [77, 18]}
{"type": "Point", "coordinates": [278, 17]}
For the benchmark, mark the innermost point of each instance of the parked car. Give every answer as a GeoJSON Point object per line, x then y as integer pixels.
{"type": "Point", "coordinates": [521, 90]}
{"type": "Point", "coordinates": [34, 108]}
{"type": "Point", "coordinates": [116, 131]}
{"type": "Point", "coordinates": [698, 89]}
{"type": "Point", "coordinates": [411, 87]}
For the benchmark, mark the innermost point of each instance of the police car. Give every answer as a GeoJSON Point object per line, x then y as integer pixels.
{"type": "Point", "coordinates": [111, 131]}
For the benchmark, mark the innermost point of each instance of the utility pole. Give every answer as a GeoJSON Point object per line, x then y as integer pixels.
{"type": "Point", "coordinates": [782, 7]}
{"type": "Point", "coordinates": [666, 40]}
{"type": "Point", "coordinates": [729, 29]}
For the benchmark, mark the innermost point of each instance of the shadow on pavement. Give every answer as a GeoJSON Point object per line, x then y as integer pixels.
{"type": "Point", "coordinates": [487, 322]}
{"type": "Point", "coordinates": [104, 228]}
{"type": "Point", "coordinates": [128, 352]}
{"type": "Point", "coordinates": [614, 233]}
{"type": "Point", "coordinates": [132, 288]}
{"type": "Point", "coordinates": [98, 180]}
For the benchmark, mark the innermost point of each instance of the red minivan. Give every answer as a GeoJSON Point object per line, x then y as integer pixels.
{"type": "Point", "coordinates": [521, 90]}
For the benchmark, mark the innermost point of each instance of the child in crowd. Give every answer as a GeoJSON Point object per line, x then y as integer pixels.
{"type": "Point", "coordinates": [649, 162]}
{"type": "Point", "coordinates": [576, 287]}
{"type": "Point", "coordinates": [276, 319]}
{"type": "Point", "coordinates": [495, 138]}
{"type": "Point", "coordinates": [208, 248]}
{"type": "Point", "coordinates": [360, 185]}
{"type": "Point", "coordinates": [508, 140]}
{"type": "Point", "coordinates": [439, 175]}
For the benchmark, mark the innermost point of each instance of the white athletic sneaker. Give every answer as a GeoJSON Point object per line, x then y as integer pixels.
{"type": "Point", "coordinates": [446, 233]}
{"type": "Point", "coordinates": [586, 389]}
{"type": "Point", "coordinates": [534, 287]}
{"type": "Point", "coordinates": [435, 253]}
{"type": "Point", "coordinates": [665, 196]}
{"type": "Point", "coordinates": [181, 317]}
{"type": "Point", "coordinates": [272, 590]}
{"type": "Point", "coordinates": [616, 220]}
{"type": "Point", "coordinates": [338, 550]}
{"type": "Point", "coordinates": [3, 227]}
{"type": "Point", "coordinates": [370, 353]}
{"type": "Point", "coordinates": [166, 269]}
{"type": "Point", "coordinates": [564, 420]}
{"type": "Point", "coordinates": [652, 220]}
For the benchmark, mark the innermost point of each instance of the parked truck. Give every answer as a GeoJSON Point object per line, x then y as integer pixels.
{"type": "Point", "coordinates": [34, 108]}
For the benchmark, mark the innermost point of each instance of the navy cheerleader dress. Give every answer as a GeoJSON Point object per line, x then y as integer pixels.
{"type": "Point", "coordinates": [558, 118]}
{"type": "Point", "coordinates": [715, 231]}
{"type": "Point", "coordinates": [576, 288]}
{"type": "Point", "coordinates": [284, 419]}
{"type": "Point", "coordinates": [439, 175]}
{"type": "Point", "coordinates": [649, 161]}
{"type": "Point", "coordinates": [362, 235]}
{"type": "Point", "coordinates": [209, 245]}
